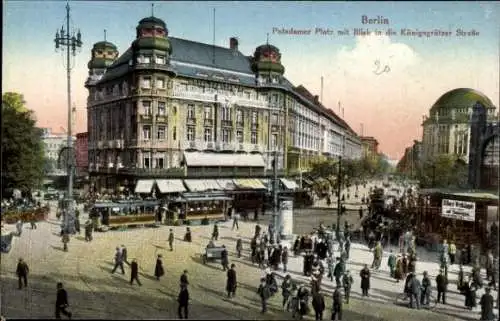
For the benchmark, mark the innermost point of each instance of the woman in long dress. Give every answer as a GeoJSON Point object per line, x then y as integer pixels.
{"type": "Point", "coordinates": [159, 271]}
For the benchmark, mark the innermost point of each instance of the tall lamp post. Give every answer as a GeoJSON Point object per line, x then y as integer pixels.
{"type": "Point", "coordinates": [276, 222]}
{"type": "Point", "coordinates": [339, 186]}
{"type": "Point", "coordinates": [66, 40]}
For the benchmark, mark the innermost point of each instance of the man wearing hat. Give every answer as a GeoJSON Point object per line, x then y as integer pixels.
{"type": "Point", "coordinates": [486, 304]}
{"type": "Point", "coordinates": [347, 281]}
{"type": "Point", "coordinates": [441, 285]}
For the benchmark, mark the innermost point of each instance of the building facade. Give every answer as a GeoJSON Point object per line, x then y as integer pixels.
{"type": "Point", "coordinates": [81, 154]}
{"type": "Point", "coordinates": [370, 146]}
{"type": "Point", "coordinates": [447, 129]}
{"type": "Point", "coordinates": [53, 144]}
{"type": "Point", "coordinates": [170, 107]}
{"type": "Point", "coordinates": [411, 160]}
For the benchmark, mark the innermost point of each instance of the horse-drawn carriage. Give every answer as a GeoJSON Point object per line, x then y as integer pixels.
{"type": "Point", "coordinates": [25, 214]}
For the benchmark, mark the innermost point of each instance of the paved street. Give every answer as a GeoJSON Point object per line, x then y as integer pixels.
{"type": "Point", "coordinates": [95, 293]}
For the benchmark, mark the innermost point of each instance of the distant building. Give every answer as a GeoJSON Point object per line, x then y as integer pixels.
{"type": "Point", "coordinates": [370, 146]}
{"type": "Point", "coordinates": [410, 161]}
{"type": "Point", "coordinates": [447, 129]}
{"type": "Point", "coordinates": [53, 143]}
{"type": "Point", "coordinates": [81, 151]}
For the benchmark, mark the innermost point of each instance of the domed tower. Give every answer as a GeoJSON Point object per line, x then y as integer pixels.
{"type": "Point", "coordinates": [266, 63]}
{"type": "Point", "coordinates": [104, 53]}
{"type": "Point", "coordinates": [151, 38]}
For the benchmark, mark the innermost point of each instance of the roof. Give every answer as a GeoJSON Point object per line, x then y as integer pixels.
{"type": "Point", "coordinates": [476, 194]}
{"type": "Point", "coordinates": [203, 54]}
{"type": "Point", "coordinates": [462, 98]}
{"type": "Point", "coordinates": [105, 44]}
{"type": "Point", "coordinates": [153, 21]}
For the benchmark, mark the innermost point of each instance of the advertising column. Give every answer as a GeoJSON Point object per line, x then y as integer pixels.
{"type": "Point", "coordinates": [286, 219]}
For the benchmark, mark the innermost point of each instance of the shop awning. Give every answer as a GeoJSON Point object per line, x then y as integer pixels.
{"type": "Point", "coordinates": [226, 184]}
{"type": "Point", "coordinates": [249, 183]}
{"type": "Point", "coordinates": [202, 185]}
{"type": "Point", "coordinates": [307, 181]}
{"type": "Point", "coordinates": [289, 184]}
{"type": "Point", "coordinates": [170, 186]}
{"type": "Point", "coordinates": [199, 159]}
{"type": "Point", "coordinates": [144, 186]}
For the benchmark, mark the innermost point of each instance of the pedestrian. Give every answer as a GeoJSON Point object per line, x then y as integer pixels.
{"type": "Point", "coordinates": [187, 236]}
{"type": "Point", "coordinates": [124, 254]}
{"type": "Point", "coordinates": [171, 239]}
{"type": "Point", "coordinates": [236, 217]}
{"type": "Point", "coordinates": [361, 212]}
{"type": "Point", "coordinates": [287, 287]}
{"type": "Point", "coordinates": [65, 240]}
{"type": "Point", "coordinates": [415, 292]}
{"type": "Point", "coordinates": [231, 283]}
{"type": "Point", "coordinates": [77, 224]}
{"type": "Point", "coordinates": [215, 232]}
{"type": "Point", "coordinates": [337, 305]}
{"type": "Point", "coordinates": [284, 258]}
{"type": "Point", "coordinates": [224, 258]}
{"type": "Point", "coordinates": [239, 246]}
{"type": "Point", "coordinates": [331, 266]}
{"type": "Point", "coordinates": [183, 300]}
{"type": "Point", "coordinates": [318, 303]}
{"type": "Point", "coordinates": [426, 290]}
{"type": "Point", "coordinates": [470, 293]}
{"type": "Point", "coordinates": [88, 231]}
{"type": "Point", "coordinates": [62, 303]}
{"type": "Point", "coordinates": [19, 227]}
{"type": "Point", "coordinates": [347, 282]}
{"type": "Point", "coordinates": [452, 252]}
{"type": "Point", "coordinates": [33, 222]}
{"type": "Point", "coordinates": [22, 273]}
{"type": "Point", "coordinates": [184, 279]}
{"type": "Point", "coordinates": [486, 303]}
{"type": "Point", "coordinates": [134, 272]}
{"type": "Point", "coordinates": [337, 272]}
{"type": "Point", "coordinates": [118, 261]}
{"type": "Point", "coordinates": [264, 294]}
{"type": "Point", "coordinates": [391, 263]}
{"type": "Point", "coordinates": [159, 271]}
{"type": "Point", "coordinates": [441, 285]}
{"type": "Point", "coordinates": [398, 272]}
{"type": "Point", "coordinates": [365, 280]}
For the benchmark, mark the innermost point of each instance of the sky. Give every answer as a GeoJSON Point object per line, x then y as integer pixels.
{"type": "Point", "coordinates": [387, 105]}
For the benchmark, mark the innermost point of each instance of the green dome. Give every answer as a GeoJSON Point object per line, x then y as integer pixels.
{"type": "Point", "coordinates": [152, 22]}
{"type": "Point", "coordinates": [152, 43]}
{"type": "Point", "coordinates": [461, 98]}
{"type": "Point", "coordinates": [104, 45]}
{"type": "Point", "coordinates": [268, 66]}
{"type": "Point", "coordinates": [99, 63]}
{"type": "Point", "coordinates": [262, 62]}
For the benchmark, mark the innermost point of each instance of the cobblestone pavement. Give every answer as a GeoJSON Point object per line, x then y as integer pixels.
{"type": "Point", "coordinates": [95, 293]}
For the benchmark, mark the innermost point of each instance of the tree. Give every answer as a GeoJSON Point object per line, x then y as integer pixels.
{"type": "Point", "coordinates": [443, 171]}
{"type": "Point", "coordinates": [22, 147]}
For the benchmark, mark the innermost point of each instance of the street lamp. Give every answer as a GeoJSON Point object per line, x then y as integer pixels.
{"type": "Point", "coordinates": [67, 40]}
{"type": "Point", "coordinates": [276, 222]}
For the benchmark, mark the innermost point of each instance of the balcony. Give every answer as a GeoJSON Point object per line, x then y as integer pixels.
{"type": "Point", "coordinates": [146, 118]}
{"type": "Point", "coordinates": [252, 103]}
{"type": "Point", "coordinates": [192, 145]}
{"type": "Point", "coordinates": [190, 121]}
{"type": "Point", "coordinates": [152, 65]}
{"type": "Point", "coordinates": [226, 123]}
{"type": "Point", "coordinates": [241, 147]}
{"type": "Point", "coordinates": [153, 172]}
{"type": "Point", "coordinates": [240, 124]}
{"type": "Point", "coordinates": [192, 95]}
{"type": "Point", "coordinates": [208, 122]}
{"type": "Point", "coordinates": [161, 118]}
{"type": "Point", "coordinates": [275, 128]}
{"type": "Point", "coordinates": [209, 145]}
{"type": "Point", "coordinates": [227, 146]}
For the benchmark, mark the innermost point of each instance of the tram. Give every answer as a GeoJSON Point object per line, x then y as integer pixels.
{"type": "Point", "coordinates": [114, 214]}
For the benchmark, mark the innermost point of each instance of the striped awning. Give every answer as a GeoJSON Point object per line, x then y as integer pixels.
{"type": "Point", "coordinates": [289, 184]}
{"type": "Point", "coordinates": [170, 186]}
{"type": "Point", "coordinates": [226, 184]}
{"type": "Point", "coordinates": [144, 186]}
{"type": "Point", "coordinates": [250, 183]}
{"type": "Point", "coordinates": [202, 185]}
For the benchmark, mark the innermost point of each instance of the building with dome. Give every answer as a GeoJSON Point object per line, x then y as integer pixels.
{"type": "Point", "coordinates": [447, 129]}
{"type": "Point", "coordinates": [169, 107]}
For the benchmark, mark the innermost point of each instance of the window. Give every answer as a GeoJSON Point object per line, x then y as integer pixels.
{"type": "Point", "coordinates": [146, 82]}
{"type": "Point", "coordinates": [190, 112]}
{"type": "Point", "coordinates": [190, 133]}
{"type": "Point", "coordinates": [226, 135]}
{"type": "Point", "coordinates": [254, 117]}
{"type": "Point", "coordinates": [239, 136]}
{"type": "Point", "coordinates": [247, 95]}
{"type": "Point", "coordinates": [160, 83]}
{"type": "Point", "coordinates": [175, 110]}
{"type": "Point", "coordinates": [274, 140]}
{"type": "Point", "coordinates": [208, 134]}
{"type": "Point", "coordinates": [146, 59]}
{"type": "Point", "coordinates": [239, 116]}
{"type": "Point", "coordinates": [160, 163]}
{"type": "Point", "coordinates": [161, 108]}
{"type": "Point", "coordinates": [161, 132]}
{"type": "Point", "coordinates": [146, 132]}
{"type": "Point", "coordinates": [147, 162]}
{"type": "Point", "coordinates": [146, 106]}
{"type": "Point", "coordinates": [274, 119]}
{"type": "Point", "coordinates": [254, 138]}
{"type": "Point", "coordinates": [226, 113]}
{"type": "Point", "coordinates": [208, 112]}
{"type": "Point", "coordinates": [174, 133]}
{"type": "Point", "coordinates": [160, 60]}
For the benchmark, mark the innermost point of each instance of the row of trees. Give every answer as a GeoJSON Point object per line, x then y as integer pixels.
{"type": "Point", "coordinates": [353, 170]}
{"type": "Point", "coordinates": [22, 147]}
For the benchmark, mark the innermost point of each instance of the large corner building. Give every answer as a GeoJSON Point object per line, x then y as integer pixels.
{"type": "Point", "coordinates": [170, 107]}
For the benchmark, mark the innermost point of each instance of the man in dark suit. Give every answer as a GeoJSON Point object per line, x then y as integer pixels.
{"type": "Point", "coordinates": [62, 302]}
{"type": "Point", "coordinates": [184, 278]}
{"type": "Point", "coordinates": [318, 303]}
{"type": "Point", "coordinates": [183, 300]}
{"type": "Point", "coordinates": [134, 272]}
{"type": "Point", "coordinates": [22, 273]}
{"type": "Point", "coordinates": [231, 281]}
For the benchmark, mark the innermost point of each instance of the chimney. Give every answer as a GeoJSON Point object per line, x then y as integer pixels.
{"type": "Point", "coordinates": [233, 43]}
{"type": "Point", "coordinates": [316, 99]}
